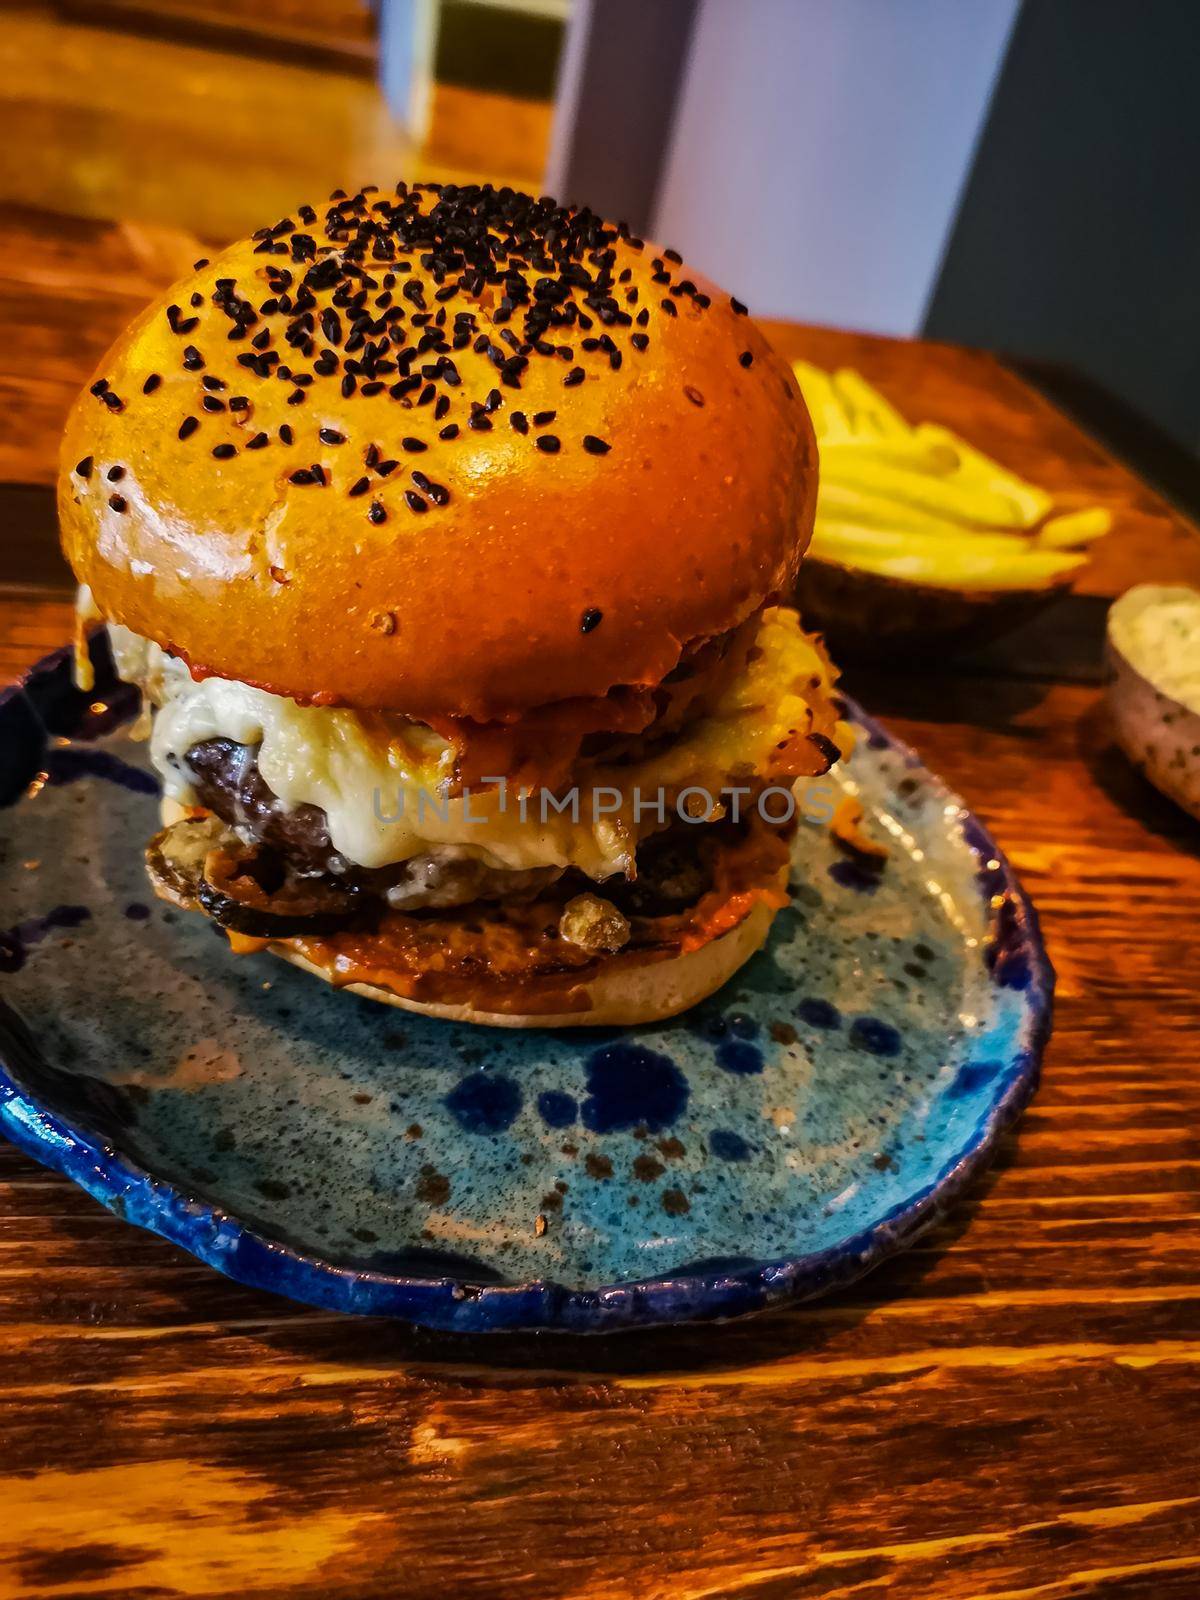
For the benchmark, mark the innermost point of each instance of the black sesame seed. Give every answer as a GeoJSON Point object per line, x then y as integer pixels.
{"type": "Point", "coordinates": [480, 422]}
{"type": "Point", "coordinates": [639, 341]}
{"type": "Point", "coordinates": [386, 468]}
{"type": "Point", "coordinates": [541, 418]}
{"type": "Point", "coordinates": [196, 265]}
{"type": "Point", "coordinates": [591, 618]}
{"type": "Point", "coordinates": [115, 474]}
{"type": "Point", "coordinates": [414, 502]}
{"type": "Point", "coordinates": [285, 433]}
{"type": "Point", "coordinates": [360, 486]}
{"type": "Point", "coordinates": [746, 359]}
{"type": "Point", "coordinates": [188, 426]}
{"type": "Point", "coordinates": [669, 307]}
{"type": "Point", "coordinates": [413, 446]}
{"type": "Point", "coordinates": [296, 398]}
{"type": "Point", "coordinates": [376, 514]}
{"type": "Point", "coordinates": [549, 443]}
{"type": "Point", "coordinates": [118, 502]}
{"type": "Point", "coordinates": [224, 451]}
{"type": "Point", "coordinates": [595, 446]}
{"type": "Point", "coordinates": [209, 382]}
{"type": "Point", "coordinates": [84, 468]}
{"type": "Point", "coordinates": [331, 436]}
{"type": "Point", "coordinates": [737, 305]}
{"type": "Point", "coordinates": [238, 402]}
{"type": "Point", "coordinates": [450, 431]}
{"type": "Point", "coordinates": [98, 388]}
{"type": "Point", "coordinates": [259, 442]}
{"type": "Point", "coordinates": [302, 475]}
{"type": "Point", "coordinates": [519, 421]}
{"type": "Point", "coordinates": [441, 408]}
{"type": "Point", "coordinates": [211, 402]}
{"type": "Point", "coordinates": [693, 395]}
{"type": "Point", "coordinates": [673, 255]}
{"type": "Point", "coordinates": [151, 383]}
{"type": "Point", "coordinates": [192, 359]}
{"type": "Point", "coordinates": [573, 377]}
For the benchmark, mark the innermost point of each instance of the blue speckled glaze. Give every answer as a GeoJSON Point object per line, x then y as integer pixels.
{"type": "Point", "coordinates": [775, 1142]}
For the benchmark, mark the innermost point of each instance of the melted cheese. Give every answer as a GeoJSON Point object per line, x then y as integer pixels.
{"type": "Point", "coordinates": [381, 780]}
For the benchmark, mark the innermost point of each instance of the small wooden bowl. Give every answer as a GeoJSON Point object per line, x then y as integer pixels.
{"type": "Point", "coordinates": [868, 617]}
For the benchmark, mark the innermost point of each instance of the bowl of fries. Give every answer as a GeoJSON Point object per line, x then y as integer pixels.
{"type": "Point", "coordinates": [919, 536]}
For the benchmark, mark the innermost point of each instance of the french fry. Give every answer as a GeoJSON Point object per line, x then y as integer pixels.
{"type": "Point", "coordinates": [886, 543]}
{"type": "Point", "coordinates": [847, 504]}
{"type": "Point", "coordinates": [952, 499]}
{"type": "Point", "coordinates": [867, 406]}
{"type": "Point", "coordinates": [1030, 502]}
{"type": "Point", "coordinates": [983, 562]}
{"type": "Point", "coordinates": [830, 420]}
{"type": "Point", "coordinates": [904, 451]}
{"type": "Point", "coordinates": [1071, 529]}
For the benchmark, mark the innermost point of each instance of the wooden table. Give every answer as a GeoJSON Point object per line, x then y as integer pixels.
{"type": "Point", "coordinates": [1011, 1410]}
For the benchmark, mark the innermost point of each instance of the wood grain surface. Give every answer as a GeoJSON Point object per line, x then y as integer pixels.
{"type": "Point", "coordinates": [101, 122]}
{"type": "Point", "coordinates": [1011, 1411]}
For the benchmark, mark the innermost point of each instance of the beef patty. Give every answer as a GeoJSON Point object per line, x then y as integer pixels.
{"type": "Point", "coordinates": [228, 783]}
{"type": "Point", "coordinates": [672, 872]}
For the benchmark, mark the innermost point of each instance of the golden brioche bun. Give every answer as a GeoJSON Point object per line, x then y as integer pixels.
{"type": "Point", "coordinates": [543, 576]}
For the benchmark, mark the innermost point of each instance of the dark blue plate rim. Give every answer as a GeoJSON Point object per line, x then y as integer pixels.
{"type": "Point", "coordinates": [1016, 957]}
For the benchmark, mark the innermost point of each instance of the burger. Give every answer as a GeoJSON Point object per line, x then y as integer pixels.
{"type": "Point", "coordinates": [448, 533]}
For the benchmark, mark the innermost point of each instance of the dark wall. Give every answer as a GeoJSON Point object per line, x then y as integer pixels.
{"type": "Point", "coordinates": [1078, 238]}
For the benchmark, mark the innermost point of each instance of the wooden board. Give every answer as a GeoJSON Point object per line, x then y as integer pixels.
{"type": "Point", "coordinates": [1009, 1412]}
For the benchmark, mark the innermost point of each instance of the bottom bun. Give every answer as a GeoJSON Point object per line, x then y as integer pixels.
{"type": "Point", "coordinates": [679, 963]}
{"type": "Point", "coordinates": [616, 996]}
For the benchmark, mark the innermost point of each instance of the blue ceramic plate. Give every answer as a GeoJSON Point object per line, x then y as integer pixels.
{"type": "Point", "coordinates": [775, 1142]}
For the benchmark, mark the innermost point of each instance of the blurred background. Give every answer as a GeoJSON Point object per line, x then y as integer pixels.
{"type": "Point", "coordinates": [1012, 174]}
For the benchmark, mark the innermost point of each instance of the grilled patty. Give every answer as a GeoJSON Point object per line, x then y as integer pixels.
{"type": "Point", "coordinates": [228, 783]}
